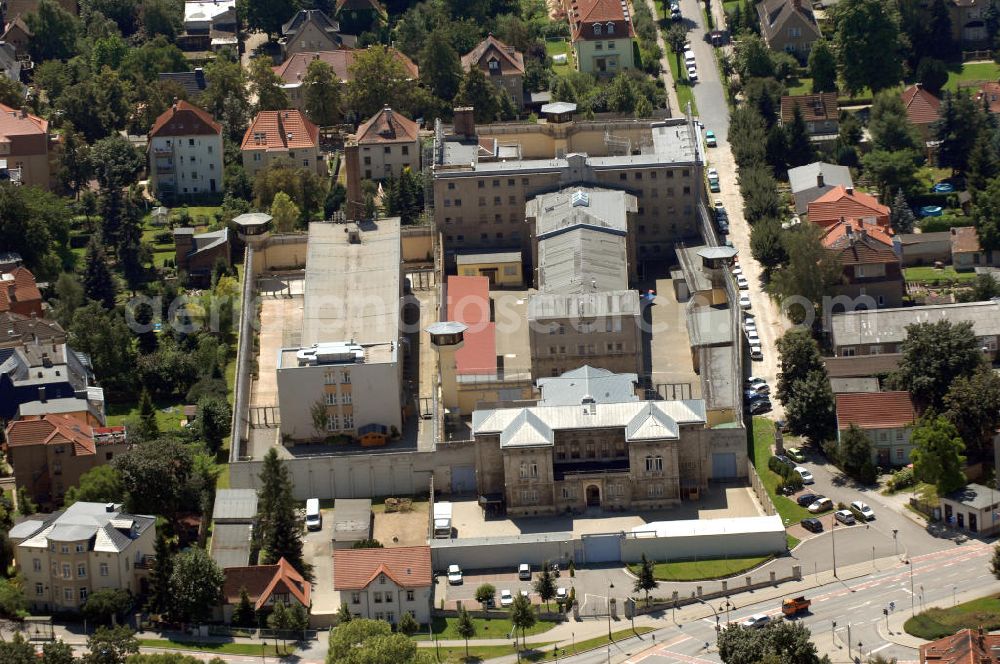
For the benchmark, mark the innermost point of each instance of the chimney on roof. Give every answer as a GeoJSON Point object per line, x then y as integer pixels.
{"type": "Point", "coordinates": [849, 190]}
{"type": "Point", "coordinates": [465, 122]}
{"type": "Point", "coordinates": [41, 394]}
{"type": "Point", "coordinates": [109, 507]}
{"type": "Point", "coordinates": [352, 166]}
{"type": "Point", "coordinates": [819, 180]}
{"type": "Point", "coordinates": [176, 100]}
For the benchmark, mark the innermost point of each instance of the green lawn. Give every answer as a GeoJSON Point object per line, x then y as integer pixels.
{"type": "Point", "coordinates": [763, 436]}
{"type": "Point", "coordinates": [791, 542]}
{"type": "Point", "coordinates": [493, 628]}
{"type": "Point", "coordinates": [685, 93]}
{"type": "Point", "coordinates": [700, 570]}
{"type": "Point", "coordinates": [536, 652]}
{"type": "Point", "coordinates": [975, 71]}
{"type": "Point", "coordinates": [168, 413]}
{"type": "Point", "coordinates": [799, 86]}
{"type": "Point", "coordinates": [558, 48]}
{"type": "Point", "coordinates": [931, 274]}
{"type": "Point", "coordinates": [252, 649]}
{"type": "Point", "coordinates": [935, 623]}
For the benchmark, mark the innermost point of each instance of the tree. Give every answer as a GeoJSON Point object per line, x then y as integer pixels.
{"type": "Point", "coordinates": [244, 614]}
{"type": "Point", "coordinates": [480, 94]}
{"type": "Point", "coordinates": [983, 164]}
{"type": "Point", "coordinates": [195, 585]}
{"type": "Point", "coordinates": [100, 484]}
{"type": "Point", "coordinates": [800, 147]}
{"type": "Point", "coordinates": [465, 628]}
{"type": "Point", "coordinates": [155, 476]}
{"type": "Point", "coordinates": [57, 652]}
{"type": "Point", "coordinates": [306, 189]}
{"type": "Point", "coordinates": [760, 193]}
{"type": "Point", "coordinates": [116, 164]}
{"type": "Point", "coordinates": [285, 212]}
{"type": "Point", "coordinates": [159, 579]}
{"type": "Point", "coordinates": [377, 79]}
{"type": "Point", "coordinates": [972, 404]}
{"type": "Point", "coordinates": [868, 44]}
{"type": "Point", "coordinates": [765, 243]}
{"type": "Point", "coordinates": [343, 614]}
{"type": "Point", "coordinates": [323, 93]}
{"type": "Point", "coordinates": [265, 84]}
{"type": "Point", "coordinates": [545, 584]}
{"type": "Point", "coordinates": [147, 428]}
{"type": "Point", "coordinates": [811, 412]}
{"type": "Point", "coordinates": [214, 421]}
{"type": "Point", "coordinates": [98, 283]}
{"type": "Point", "coordinates": [267, 16]}
{"type": "Point", "coordinates": [160, 17]}
{"type": "Point", "coordinates": [105, 605]}
{"type": "Point", "coordinates": [934, 356]}
{"type": "Point", "coordinates": [823, 67]}
{"type": "Point", "coordinates": [645, 580]}
{"type": "Point", "coordinates": [810, 272]}
{"type": "Point", "coordinates": [363, 641]}
{"type": "Point", "coordinates": [17, 651]}
{"type": "Point", "coordinates": [765, 94]}
{"type": "Point", "coordinates": [799, 358]}
{"type": "Point", "coordinates": [856, 454]}
{"type": "Point", "coordinates": [225, 95]}
{"type": "Point", "coordinates": [753, 58]}
{"type": "Point", "coordinates": [986, 216]}
{"type": "Point", "coordinates": [893, 171]}
{"type": "Point", "coordinates": [280, 526]}
{"type": "Point", "coordinates": [676, 39]}
{"type": "Point", "coordinates": [932, 74]}
{"type": "Point", "coordinates": [440, 66]}
{"type": "Point", "coordinates": [34, 223]}
{"type": "Point", "coordinates": [522, 614]}
{"type": "Point", "coordinates": [941, 44]}
{"type": "Point", "coordinates": [485, 594]}
{"type": "Point", "coordinates": [53, 32]}
{"type": "Point", "coordinates": [958, 129]}
{"type": "Point", "coordinates": [69, 297]}
{"type": "Point", "coordinates": [937, 454]}
{"type": "Point", "coordinates": [408, 624]}
{"type": "Point", "coordinates": [781, 642]}
{"type": "Point", "coordinates": [995, 561]}
{"type": "Point", "coordinates": [901, 216]}
{"type": "Point", "coordinates": [13, 603]}
{"type": "Point", "coordinates": [110, 645]}
{"type": "Point", "coordinates": [889, 125]}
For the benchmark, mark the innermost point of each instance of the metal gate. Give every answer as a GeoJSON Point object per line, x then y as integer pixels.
{"type": "Point", "coordinates": [602, 548]}
{"type": "Point", "coordinates": [463, 479]}
{"type": "Point", "coordinates": [723, 465]}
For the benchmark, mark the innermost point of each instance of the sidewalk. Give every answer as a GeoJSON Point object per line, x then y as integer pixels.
{"type": "Point", "coordinates": [673, 105]}
{"type": "Point", "coordinates": [897, 635]}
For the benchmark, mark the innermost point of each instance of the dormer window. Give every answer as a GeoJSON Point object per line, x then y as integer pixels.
{"type": "Point", "coordinates": [597, 28]}
{"type": "Point", "coordinates": [494, 65]}
{"type": "Point", "coordinates": [611, 28]}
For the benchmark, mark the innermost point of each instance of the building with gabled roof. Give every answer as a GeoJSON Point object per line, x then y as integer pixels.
{"type": "Point", "coordinates": [197, 253]}
{"type": "Point", "coordinates": [922, 109]}
{"type": "Point", "coordinates": [383, 584]}
{"type": "Point", "coordinates": [26, 147]}
{"type": "Point", "coordinates": [40, 378]}
{"type": "Point", "coordinates": [847, 203]}
{"type": "Point", "coordinates": [811, 181]}
{"type": "Point", "coordinates": [602, 34]}
{"type": "Point", "coordinates": [65, 556]}
{"type": "Point", "coordinates": [17, 330]}
{"type": "Point", "coordinates": [312, 30]}
{"type": "Point", "coordinates": [19, 293]}
{"type": "Point", "coordinates": [819, 112]}
{"type": "Point", "coordinates": [286, 135]}
{"type": "Point", "coordinates": [49, 454]}
{"type": "Point", "coordinates": [185, 152]}
{"type": "Point", "coordinates": [966, 646]}
{"type": "Point", "coordinates": [869, 260]}
{"type": "Point", "coordinates": [265, 585]}
{"type": "Point", "coordinates": [502, 65]}
{"type": "Point", "coordinates": [887, 418]}
{"type": "Point", "coordinates": [789, 26]}
{"type": "Point", "coordinates": [967, 253]}
{"type": "Point", "coordinates": [293, 70]}
{"type": "Point", "coordinates": [388, 143]}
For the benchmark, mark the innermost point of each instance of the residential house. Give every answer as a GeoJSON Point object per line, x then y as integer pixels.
{"type": "Point", "coordinates": [504, 269]}
{"type": "Point", "coordinates": [193, 82]}
{"type": "Point", "coordinates": [66, 556]}
{"type": "Point", "coordinates": [602, 36]}
{"type": "Point", "coordinates": [48, 378]}
{"type": "Point", "coordinates": [862, 366]}
{"type": "Point", "coordinates": [51, 453]}
{"type": "Point", "coordinates": [234, 516]}
{"type": "Point", "coordinates": [789, 26]}
{"type": "Point", "coordinates": [922, 109]}
{"type": "Point", "coordinates": [11, 65]}
{"type": "Point", "coordinates": [502, 65]}
{"type": "Point", "coordinates": [19, 293]}
{"type": "Point", "coordinates": [925, 248]}
{"type": "Point", "coordinates": [25, 146]}
{"type": "Point", "coordinates": [877, 331]}
{"type": "Point", "coordinates": [293, 70]}
{"type": "Point", "coordinates": [17, 34]}
{"type": "Point", "coordinates": [17, 330]}
{"type": "Point", "coordinates": [972, 508]}
{"type": "Point", "coordinates": [209, 25]}
{"type": "Point", "coordinates": [359, 16]}
{"type": "Point", "coordinates": [967, 254]}
{"type": "Point", "coordinates": [811, 181]}
{"type": "Point", "coordinates": [265, 585]}
{"type": "Point", "coordinates": [869, 260]}
{"type": "Point", "coordinates": [847, 203]}
{"type": "Point", "coordinates": [819, 111]}
{"type": "Point", "coordinates": [886, 417]}
{"type": "Point", "coordinates": [991, 92]}
{"type": "Point", "coordinates": [967, 646]}
{"type": "Point", "coordinates": [286, 136]}
{"type": "Point", "coordinates": [185, 152]}
{"type": "Point", "coordinates": [197, 253]}
{"type": "Point", "coordinates": [388, 143]}
{"type": "Point", "coordinates": [312, 30]}
{"type": "Point", "coordinates": [968, 22]}
{"type": "Point", "coordinates": [383, 584]}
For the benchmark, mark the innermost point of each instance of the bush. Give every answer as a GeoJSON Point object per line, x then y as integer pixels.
{"type": "Point", "coordinates": [163, 237]}
{"type": "Point", "coordinates": [943, 223]}
{"type": "Point", "coordinates": [901, 479]}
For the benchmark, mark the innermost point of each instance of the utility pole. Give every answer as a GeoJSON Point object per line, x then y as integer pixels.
{"type": "Point", "coordinates": [848, 639]}
{"type": "Point", "coordinates": [912, 603]}
{"type": "Point", "coordinates": [833, 544]}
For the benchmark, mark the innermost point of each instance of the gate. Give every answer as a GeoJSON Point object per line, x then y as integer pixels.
{"type": "Point", "coordinates": [602, 548]}
{"type": "Point", "coordinates": [723, 465]}
{"type": "Point", "coordinates": [463, 479]}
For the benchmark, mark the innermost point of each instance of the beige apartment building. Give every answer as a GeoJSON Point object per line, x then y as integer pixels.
{"type": "Point", "coordinates": [389, 143]}
{"type": "Point", "coordinates": [89, 547]}
{"type": "Point", "coordinates": [484, 176]}
{"type": "Point", "coordinates": [281, 135]}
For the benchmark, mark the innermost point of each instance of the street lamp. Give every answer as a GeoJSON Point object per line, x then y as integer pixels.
{"type": "Point", "coordinates": [611, 587]}
{"type": "Point", "coordinates": [833, 545]}
{"type": "Point", "coordinates": [895, 541]}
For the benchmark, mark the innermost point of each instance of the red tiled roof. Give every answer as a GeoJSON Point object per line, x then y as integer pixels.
{"type": "Point", "coordinates": [263, 581]}
{"type": "Point", "coordinates": [294, 68]}
{"type": "Point", "coordinates": [992, 92]}
{"type": "Point", "coordinates": [469, 303]}
{"type": "Point", "coordinates": [18, 122]}
{"type": "Point", "coordinates": [511, 61]}
{"type": "Point", "coordinates": [921, 106]}
{"type": "Point", "coordinates": [185, 119]}
{"type": "Point", "coordinates": [875, 410]}
{"type": "Point", "coordinates": [387, 126]}
{"type": "Point", "coordinates": [838, 204]}
{"type": "Point", "coordinates": [407, 566]}
{"type": "Point", "coordinates": [57, 429]}
{"type": "Point", "coordinates": [964, 647]}
{"type": "Point", "coordinates": [280, 130]}
{"type": "Point", "coordinates": [860, 242]}
{"type": "Point", "coordinates": [585, 13]}
{"type": "Point", "coordinates": [964, 240]}
{"type": "Point", "coordinates": [21, 289]}
{"type": "Point", "coordinates": [814, 108]}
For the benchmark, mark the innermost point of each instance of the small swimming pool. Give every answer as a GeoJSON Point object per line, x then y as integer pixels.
{"type": "Point", "coordinates": [931, 211]}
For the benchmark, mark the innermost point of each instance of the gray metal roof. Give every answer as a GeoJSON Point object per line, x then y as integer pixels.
{"type": "Point", "coordinates": [804, 181]}
{"type": "Point", "coordinates": [695, 276]}
{"type": "Point", "coordinates": [488, 257]}
{"type": "Point", "coordinates": [26, 528]}
{"type": "Point", "coordinates": [717, 253]}
{"type": "Point", "coordinates": [559, 107]}
{"type": "Point", "coordinates": [231, 544]}
{"type": "Point", "coordinates": [601, 385]}
{"type": "Point", "coordinates": [352, 519]}
{"type": "Point", "coordinates": [252, 219]}
{"type": "Point", "coordinates": [552, 305]}
{"type": "Point", "coordinates": [852, 385]}
{"type": "Point", "coordinates": [447, 327]}
{"type": "Point", "coordinates": [975, 496]}
{"type": "Point", "coordinates": [602, 208]}
{"type": "Point", "coordinates": [876, 326]}
{"type": "Point", "coordinates": [235, 504]}
{"type": "Point", "coordinates": [82, 521]}
{"type": "Point", "coordinates": [582, 260]}
{"type": "Point", "coordinates": [710, 327]}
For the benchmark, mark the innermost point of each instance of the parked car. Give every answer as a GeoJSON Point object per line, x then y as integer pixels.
{"type": "Point", "coordinates": [722, 224]}
{"type": "Point", "coordinates": [737, 271]}
{"type": "Point", "coordinates": [692, 73]}
{"type": "Point", "coordinates": [821, 505]}
{"type": "Point", "coordinates": [689, 58]}
{"type": "Point", "coordinates": [742, 283]}
{"type": "Point", "coordinates": [756, 621]}
{"type": "Point", "coordinates": [675, 12]}
{"type": "Point", "coordinates": [756, 354]}
{"type": "Point", "coordinates": [524, 572]}
{"type": "Point", "coordinates": [561, 594]}
{"type": "Point", "coordinates": [754, 395]}
{"type": "Point", "coordinates": [844, 516]}
{"type": "Point", "coordinates": [744, 301]}
{"type": "Point", "coordinates": [454, 575]}
{"type": "Point", "coordinates": [812, 525]}
{"type": "Point", "coordinates": [785, 460]}
{"type": "Point", "coordinates": [761, 407]}
{"type": "Point", "coordinates": [710, 140]}
{"type": "Point", "coordinates": [862, 511]}
{"type": "Point", "coordinates": [795, 453]}
{"type": "Point", "coordinates": [760, 388]}
{"type": "Point", "coordinates": [753, 338]}
{"type": "Point", "coordinates": [803, 472]}
{"type": "Point", "coordinates": [807, 499]}
{"type": "Point", "coordinates": [506, 599]}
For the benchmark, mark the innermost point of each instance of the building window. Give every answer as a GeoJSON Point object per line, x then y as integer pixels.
{"type": "Point", "coordinates": [83, 594]}
{"type": "Point", "coordinates": [68, 594]}
{"type": "Point", "coordinates": [79, 548]}
{"type": "Point", "coordinates": [67, 574]}
{"type": "Point", "coordinates": [345, 398]}
{"type": "Point", "coordinates": [330, 398]}
{"type": "Point", "coordinates": [381, 579]}
{"type": "Point", "coordinates": [529, 496]}
{"type": "Point", "coordinates": [900, 454]}
{"type": "Point", "coordinates": [345, 377]}
{"type": "Point", "coordinates": [598, 46]}
{"type": "Point", "coordinates": [390, 617]}
{"type": "Point", "coordinates": [493, 65]}
{"type": "Point", "coordinates": [191, 142]}
{"type": "Point", "coordinates": [81, 571]}
{"type": "Point", "coordinates": [611, 45]}
{"type": "Point", "coordinates": [529, 470]}
{"type": "Point", "coordinates": [378, 598]}
{"type": "Point", "coordinates": [654, 464]}
{"type": "Point", "coordinates": [36, 564]}
{"type": "Point", "coordinates": [597, 28]}
{"type": "Point", "coordinates": [39, 589]}
{"type": "Point", "coordinates": [410, 596]}
{"type": "Point", "coordinates": [355, 598]}
{"type": "Point", "coordinates": [331, 423]}
{"type": "Point", "coordinates": [329, 378]}
{"type": "Point", "coordinates": [406, 150]}
{"type": "Point", "coordinates": [848, 351]}
{"type": "Point", "coordinates": [104, 569]}
{"type": "Point", "coordinates": [64, 548]}
{"type": "Point", "coordinates": [654, 490]}
{"type": "Point", "coordinates": [388, 596]}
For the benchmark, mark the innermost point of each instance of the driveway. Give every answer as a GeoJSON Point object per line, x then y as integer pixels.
{"type": "Point", "coordinates": [317, 549]}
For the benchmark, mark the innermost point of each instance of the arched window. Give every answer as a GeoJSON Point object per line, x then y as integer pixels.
{"type": "Point", "coordinates": [597, 28]}
{"type": "Point", "coordinates": [611, 28]}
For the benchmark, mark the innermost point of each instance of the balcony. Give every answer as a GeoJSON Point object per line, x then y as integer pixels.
{"type": "Point", "coordinates": [583, 469]}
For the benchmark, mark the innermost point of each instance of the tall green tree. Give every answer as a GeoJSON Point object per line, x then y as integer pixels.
{"type": "Point", "coordinates": [408, 624]}
{"type": "Point", "coordinates": [323, 93]}
{"type": "Point", "coordinates": [972, 404]}
{"type": "Point", "coordinates": [941, 45]}
{"type": "Point", "coordinates": [214, 421]}
{"type": "Point", "coordinates": [100, 484]}
{"type": "Point", "coordinates": [156, 476]}
{"type": "Point", "coordinates": [935, 355]}
{"type": "Point", "coordinates": [889, 125]}
{"type": "Point", "coordinates": [823, 67]}
{"type": "Point", "coordinates": [377, 79]}
{"type": "Point", "coordinates": [477, 92]}
{"type": "Point", "coordinates": [986, 216]}
{"type": "Point", "coordinates": [159, 579]}
{"type": "Point", "coordinates": [111, 645]}
{"type": "Point", "coordinates": [195, 585]}
{"type": "Point", "coordinates": [57, 652]}
{"type": "Point", "coordinates": [440, 66]}
{"type": "Point", "coordinates": [280, 526]}
{"type": "Point", "coordinates": [983, 164]}
{"type": "Point", "coordinates": [753, 58]}
{"type": "Point", "coordinates": [958, 129]}
{"type": "Point", "coordinates": [676, 38]}
{"type": "Point", "coordinates": [801, 150]}
{"type": "Point", "coordinates": [98, 282]}
{"type": "Point", "coordinates": [545, 584]}
{"type": "Point", "coordinates": [265, 84]}
{"type": "Point", "coordinates": [893, 171]}
{"type": "Point", "coordinates": [225, 96]}
{"type": "Point", "coordinates": [465, 628]}
{"type": "Point", "coordinates": [267, 15]}
{"type": "Point", "coordinates": [105, 605]}
{"type": "Point", "coordinates": [856, 452]}
{"type": "Point", "coordinates": [868, 44]}
{"type": "Point", "coordinates": [901, 215]}
{"type": "Point", "coordinates": [244, 614]}
{"type": "Point", "coordinates": [798, 356]}
{"type": "Point", "coordinates": [104, 336]}
{"type": "Point", "coordinates": [766, 245]}
{"type": "Point", "coordinates": [53, 32]}
{"type": "Point", "coordinates": [522, 614]}
{"type": "Point", "coordinates": [485, 594]}
{"type": "Point", "coordinates": [148, 428]}
{"type": "Point", "coordinates": [810, 272]}
{"type": "Point", "coordinates": [937, 454]}
{"type": "Point", "coordinates": [645, 580]}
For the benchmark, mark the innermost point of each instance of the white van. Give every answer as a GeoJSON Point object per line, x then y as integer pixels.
{"type": "Point", "coordinates": [314, 519]}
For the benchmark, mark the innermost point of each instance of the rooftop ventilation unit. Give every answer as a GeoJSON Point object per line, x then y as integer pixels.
{"type": "Point", "coordinates": [580, 198]}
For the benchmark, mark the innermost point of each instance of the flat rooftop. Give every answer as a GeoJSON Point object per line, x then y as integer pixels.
{"type": "Point", "coordinates": [875, 326]}
{"type": "Point", "coordinates": [353, 288]}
